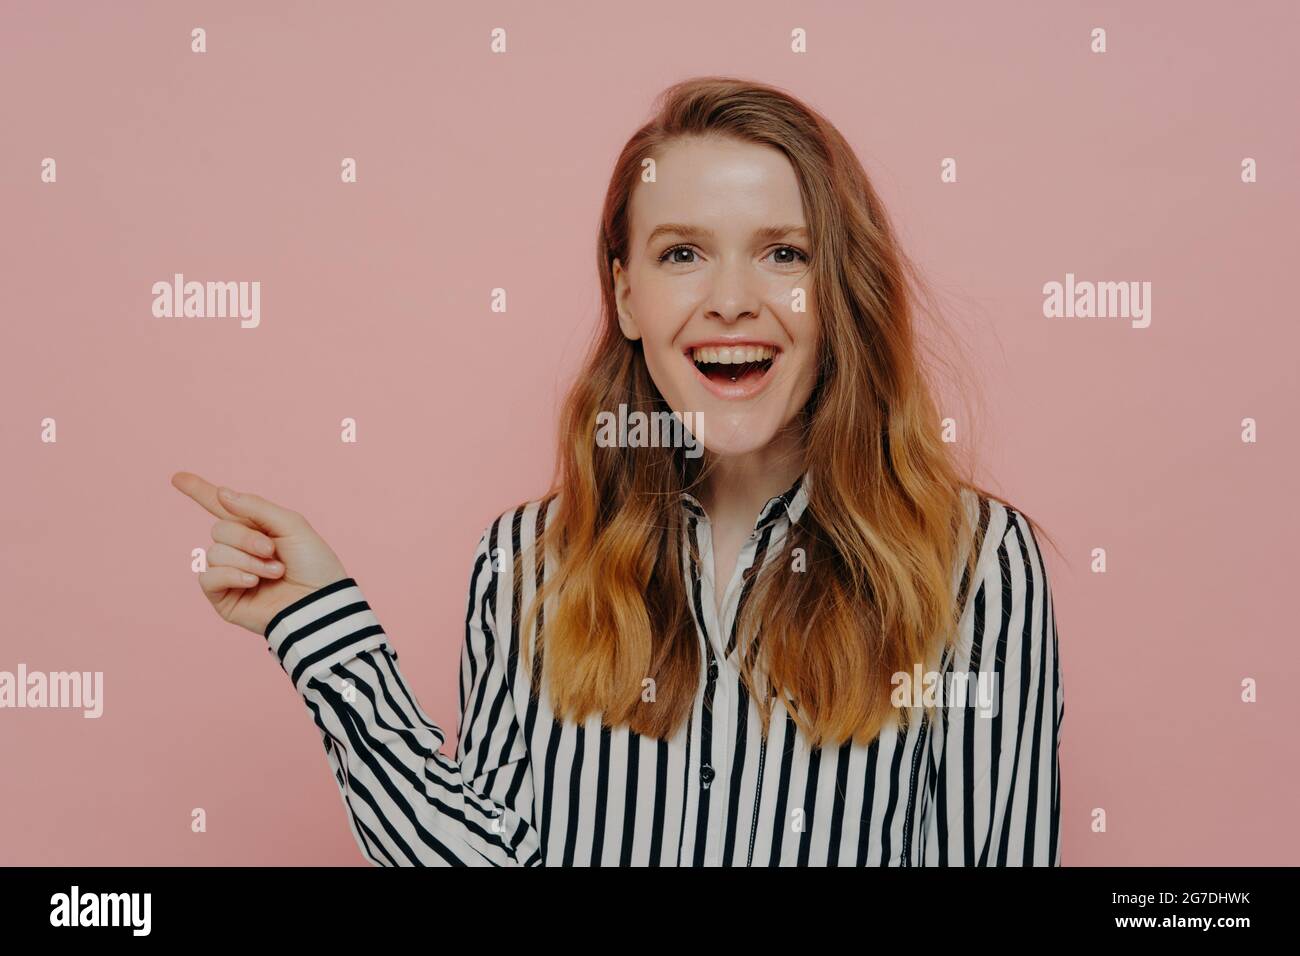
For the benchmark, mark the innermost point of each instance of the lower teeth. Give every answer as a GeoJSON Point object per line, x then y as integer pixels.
{"type": "Point", "coordinates": [734, 373]}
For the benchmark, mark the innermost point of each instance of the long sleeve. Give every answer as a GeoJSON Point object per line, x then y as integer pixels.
{"type": "Point", "coordinates": [995, 772]}
{"type": "Point", "coordinates": [407, 803]}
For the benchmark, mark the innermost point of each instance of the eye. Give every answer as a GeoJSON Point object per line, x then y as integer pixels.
{"type": "Point", "coordinates": [799, 256]}
{"type": "Point", "coordinates": [679, 248]}
{"type": "Point", "coordinates": [788, 255]}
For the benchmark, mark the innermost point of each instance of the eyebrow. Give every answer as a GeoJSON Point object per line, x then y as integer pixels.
{"type": "Point", "coordinates": [765, 233]}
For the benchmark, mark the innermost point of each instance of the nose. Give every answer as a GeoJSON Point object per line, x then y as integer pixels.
{"type": "Point", "coordinates": [733, 293]}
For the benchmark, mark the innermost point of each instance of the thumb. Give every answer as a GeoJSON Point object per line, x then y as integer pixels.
{"type": "Point", "coordinates": [266, 514]}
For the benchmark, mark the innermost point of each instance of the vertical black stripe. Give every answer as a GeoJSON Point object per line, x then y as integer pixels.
{"type": "Point", "coordinates": [1026, 644]}
{"type": "Point", "coordinates": [661, 791]}
{"type": "Point", "coordinates": [548, 783]}
{"type": "Point", "coordinates": [575, 796]}
{"type": "Point", "coordinates": [687, 770]}
{"type": "Point", "coordinates": [995, 746]}
{"type": "Point", "coordinates": [809, 804]}
{"type": "Point", "coordinates": [602, 797]}
{"type": "Point", "coordinates": [737, 771]}
{"type": "Point", "coordinates": [891, 803]}
{"type": "Point", "coordinates": [1040, 633]}
{"type": "Point", "coordinates": [1054, 843]}
{"type": "Point", "coordinates": [629, 798]}
{"type": "Point", "coordinates": [783, 789]}
{"type": "Point", "coordinates": [837, 806]}
{"type": "Point", "coordinates": [868, 801]}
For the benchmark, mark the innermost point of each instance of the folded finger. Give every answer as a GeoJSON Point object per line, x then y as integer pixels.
{"type": "Point", "coordinates": [223, 555]}
{"type": "Point", "coordinates": [215, 581]}
{"type": "Point", "coordinates": [243, 537]}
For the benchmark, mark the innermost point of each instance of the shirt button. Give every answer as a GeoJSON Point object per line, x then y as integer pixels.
{"type": "Point", "coordinates": [706, 776]}
{"type": "Point", "coordinates": [713, 670]}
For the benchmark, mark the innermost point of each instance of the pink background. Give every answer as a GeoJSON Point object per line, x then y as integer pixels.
{"type": "Point", "coordinates": [480, 170]}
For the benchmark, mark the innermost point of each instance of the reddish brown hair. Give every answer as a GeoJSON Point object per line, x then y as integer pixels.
{"type": "Point", "coordinates": [885, 522]}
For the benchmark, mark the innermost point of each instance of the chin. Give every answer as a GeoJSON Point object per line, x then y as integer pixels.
{"type": "Point", "coordinates": [738, 417]}
{"type": "Point", "coordinates": [731, 427]}
{"type": "Point", "coordinates": [732, 449]}
{"type": "Point", "coordinates": [728, 432]}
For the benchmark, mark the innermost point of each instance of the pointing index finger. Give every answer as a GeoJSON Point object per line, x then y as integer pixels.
{"type": "Point", "coordinates": [265, 514]}
{"type": "Point", "coordinates": [205, 493]}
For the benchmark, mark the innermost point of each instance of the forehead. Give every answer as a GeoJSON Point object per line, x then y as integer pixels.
{"type": "Point", "coordinates": [719, 183]}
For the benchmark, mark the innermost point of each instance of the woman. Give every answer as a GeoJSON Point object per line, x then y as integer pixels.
{"type": "Point", "coordinates": [707, 659]}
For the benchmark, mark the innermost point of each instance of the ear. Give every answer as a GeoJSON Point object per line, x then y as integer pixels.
{"type": "Point", "coordinates": [622, 292]}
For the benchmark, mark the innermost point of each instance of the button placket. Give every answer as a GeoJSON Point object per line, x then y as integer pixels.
{"type": "Point", "coordinates": [707, 772]}
{"type": "Point", "coordinates": [731, 599]}
{"type": "Point", "coordinates": [715, 705]}
{"type": "Point", "coordinates": [721, 692]}
{"type": "Point", "coordinates": [718, 694]}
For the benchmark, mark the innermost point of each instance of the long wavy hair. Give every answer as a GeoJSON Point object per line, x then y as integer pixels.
{"type": "Point", "coordinates": [884, 525]}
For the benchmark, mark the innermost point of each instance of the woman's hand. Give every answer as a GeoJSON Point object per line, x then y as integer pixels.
{"type": "Point", "coordinates": [244, 581]}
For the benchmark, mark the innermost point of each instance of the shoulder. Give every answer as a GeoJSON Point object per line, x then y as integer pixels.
{"type": "Point", "coordinates": [512, 533]}
{"type": "Point", "coordinates": [1007, 613]}
{"type": "Point", "coordinates": [504, 571]}
{"type": "Point", "coordinates": [1001, 533]}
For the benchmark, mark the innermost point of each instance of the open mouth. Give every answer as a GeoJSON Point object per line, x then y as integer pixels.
{"type": "Point", "coordinates": [736, 365]}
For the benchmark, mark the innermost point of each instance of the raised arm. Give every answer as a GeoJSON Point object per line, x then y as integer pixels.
{"type": "Point", "coordinates": [269, 572]}
{"type": "Point", "coordinates": [407, 803]}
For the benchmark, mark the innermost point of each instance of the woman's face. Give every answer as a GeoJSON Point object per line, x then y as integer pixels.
{"type": "Point", "coordinates": [717, 287]}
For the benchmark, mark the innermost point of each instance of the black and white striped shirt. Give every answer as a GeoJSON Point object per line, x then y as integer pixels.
{"type": "Point", "coordinates": [965, 788]}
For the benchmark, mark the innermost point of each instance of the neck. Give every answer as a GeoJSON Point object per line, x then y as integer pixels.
{"type": "Point", "coordinates": [738, 486]}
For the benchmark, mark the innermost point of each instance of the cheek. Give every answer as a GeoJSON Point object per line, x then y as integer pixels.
{"type": "Point", "coordinates": [662, 311]}
{"type": "Point", "coordinates": [804, 379]}
{"type": "Point", "coordinates": [669, 372]}
{"type": "Point", "coordinates": [804, 330]}
{"type": "Point", "coordinates": [661, 306]}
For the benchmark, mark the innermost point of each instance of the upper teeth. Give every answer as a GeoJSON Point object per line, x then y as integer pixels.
{"type": "Point", "coordinates": [733, 355]}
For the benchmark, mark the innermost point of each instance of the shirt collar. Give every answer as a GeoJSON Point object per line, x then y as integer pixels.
{"type": "Point", "coordinates": [792, 502]}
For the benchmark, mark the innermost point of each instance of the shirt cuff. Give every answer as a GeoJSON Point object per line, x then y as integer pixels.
{"type": "Point", "coordinates": [331, 625]}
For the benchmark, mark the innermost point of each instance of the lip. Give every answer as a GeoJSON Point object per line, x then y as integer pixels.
{"type": "Point", "coordinates": [723, 341]}
{"type": "Point", "coordinates": [740, 390]}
